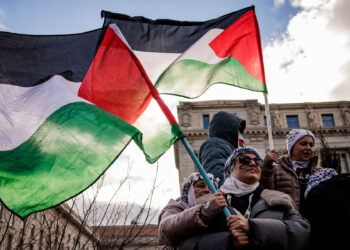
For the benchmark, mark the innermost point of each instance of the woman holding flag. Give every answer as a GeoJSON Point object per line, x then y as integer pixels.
{"type": "Point", "coordinates": [182, 217]}
{"type": "Point", "coordinates": [262, 218]}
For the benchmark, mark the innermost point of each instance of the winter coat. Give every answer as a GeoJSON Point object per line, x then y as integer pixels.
{"type": "Point", "coordinates": [223, 132]}
{"type": "Point", "coordinates": [282, 177]}
{"type": "Point", "coordinates": [327, 207]}
{"type": "Point", "coordinates": [274, 223]}
{"type": "Point", "coordinates": [178, 221]}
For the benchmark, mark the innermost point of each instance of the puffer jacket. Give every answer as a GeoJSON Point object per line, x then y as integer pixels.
{"type": "Point", "coordinates": [327, 209]}
{"type": "Point", "coordinates": [282, 177]}
{"type": "Point", "coordinates": [274, 224]}
{"type": "Point", "coordinates": [178, 221]}
{"type": "Point", "coordinates": [223, 132]}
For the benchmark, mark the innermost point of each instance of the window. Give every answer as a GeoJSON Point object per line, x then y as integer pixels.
{"type": "Point", "coordinates": [327, 120]}
{"type": "Point", "coordinates": [205, 121]}
{"type": "Point", "coordinates": [12, 220]}
{"type": "Point", "coordinates": [9, 242]}
{"type": "Point", "coordinates": [41, 239]}
{"type": "Point", "coordinates": [292, 121]}
{"type": "Point", "coordinates": [265, 121]}
{"type": "Point", "coordinates": [344, 163]}
{"type": "Point", "coordinates": [32, 231]}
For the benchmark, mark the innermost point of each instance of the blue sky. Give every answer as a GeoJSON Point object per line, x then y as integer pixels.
{"type": "Point", "coordinates": [306, 49]}
{"type": "Point", "coordinates": [58, 17]}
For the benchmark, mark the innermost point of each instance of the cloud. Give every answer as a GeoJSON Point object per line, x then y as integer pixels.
{"type": "Point", "coordinates": [312, 56]}
{"type": "Point", "coordinates": [2, 26]}
{"type": "Point", "coordinates": [340, 20]}
{"type": "Point", "coordinates": [278, 3]}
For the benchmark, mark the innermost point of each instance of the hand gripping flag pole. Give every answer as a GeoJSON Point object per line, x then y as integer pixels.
{"type": "Point", "coordinates": [203, 173]}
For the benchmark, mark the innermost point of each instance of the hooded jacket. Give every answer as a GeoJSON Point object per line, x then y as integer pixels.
{"type": "Point", "coordinates": [223, 132]}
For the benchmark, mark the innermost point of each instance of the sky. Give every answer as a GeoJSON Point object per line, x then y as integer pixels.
{"type": "Point", "coordinates": [306, 50]}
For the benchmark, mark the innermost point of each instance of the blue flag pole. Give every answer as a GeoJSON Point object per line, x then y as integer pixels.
{"type": "Point", "coordinates": [203, 173]}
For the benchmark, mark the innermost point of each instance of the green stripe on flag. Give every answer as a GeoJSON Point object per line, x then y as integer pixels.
{"type": "Point", "coordinates": [68, 153]}
{"type": "Point", "coordinates": [191, 78]}
{"type": "Point", "coordinates": [157, 145]}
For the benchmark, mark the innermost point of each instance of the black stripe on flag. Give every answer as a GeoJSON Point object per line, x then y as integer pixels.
{"type": "Point", "coordinates": [163, 35]}
{"type": "Point", "coordinates": [28, 60]}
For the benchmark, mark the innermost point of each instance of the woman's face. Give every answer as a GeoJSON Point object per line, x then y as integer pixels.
{"type": "Point", "coordinates": [247, 170]}
{"type": "Point", "coordinates": [200, 188]}
{"type": "Point", "coordinates": [303, 149]}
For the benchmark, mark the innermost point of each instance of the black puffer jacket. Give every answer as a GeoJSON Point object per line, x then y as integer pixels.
{"type": "Point", "coordinates": [223, 132]}
{"type": "Point", "coordinates": [327, 208]}
{"type": "Point", "coordinates": [274, 224]}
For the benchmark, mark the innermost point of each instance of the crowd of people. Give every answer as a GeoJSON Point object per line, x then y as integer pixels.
{"type": "Point", "coordinates": [277, 202]}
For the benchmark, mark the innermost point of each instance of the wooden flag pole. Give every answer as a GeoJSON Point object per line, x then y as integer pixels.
{"type": "Point", "coordinates": [268, 122]}
{"type": "Point", "coordinates": [203, 173]}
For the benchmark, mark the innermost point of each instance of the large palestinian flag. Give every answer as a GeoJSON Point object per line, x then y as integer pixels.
{"type": "Point", "coordinates": [66, 114]}
{"type": "Point", "coordinates": [186, 58]}
{"type": "Point", "coordinates": [53, 143]}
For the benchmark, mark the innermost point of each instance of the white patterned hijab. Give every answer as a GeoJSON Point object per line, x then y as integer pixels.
{"type": "Point", "coordinates": [294, 136]}
{"type": "Point", "coordinates": [187, 190]}
{"type": "Point", "coordinates": [318, 177]}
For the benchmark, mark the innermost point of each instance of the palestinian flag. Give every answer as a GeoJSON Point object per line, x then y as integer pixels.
{"type": "Point", "coordinates": [186, 58]}
{"type": "Point", "coordinates": [53, 143]}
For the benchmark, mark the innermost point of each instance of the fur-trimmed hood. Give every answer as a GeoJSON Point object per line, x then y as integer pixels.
{"type": "Point", "coordinates": [271, 197]}
{"type": "Point", "coordinates": [277, 198]}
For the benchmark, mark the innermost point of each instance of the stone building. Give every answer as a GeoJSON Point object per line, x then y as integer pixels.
{"type": "Point", "coordinates": [128, 237]}
{"type": "Point", "coordinates": [332, 117]}
{"type": "Point", "coordinates": [55, 228]}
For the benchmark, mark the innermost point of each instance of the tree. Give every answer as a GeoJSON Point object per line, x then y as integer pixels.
{"type": "Point", "coordinates": [78, 223]}
{"type": "Point", "coordinates": [329, 157]}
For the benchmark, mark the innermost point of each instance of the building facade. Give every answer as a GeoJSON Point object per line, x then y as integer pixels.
{"type": "Point", "coordinates": [128, 237]}
{"type": "Point", "coordinates": [333, 118]}
{"type": "Point", "coordinates": [56, 228]}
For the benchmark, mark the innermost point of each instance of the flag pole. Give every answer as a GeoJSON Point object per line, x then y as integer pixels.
{"type": "Point", "coordinates": [203, 173]}
{"type": "Point", "coordinates": [268, 122]}
{"type": "Point", "coordinates": [171, 119]}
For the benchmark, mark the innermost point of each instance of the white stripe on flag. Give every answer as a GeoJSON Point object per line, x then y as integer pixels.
{"type": "Point", "coordinates": [24, 109]}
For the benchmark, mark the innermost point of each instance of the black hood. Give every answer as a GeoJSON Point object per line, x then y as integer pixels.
{"type": "Point", "coordinates": [225, 126]}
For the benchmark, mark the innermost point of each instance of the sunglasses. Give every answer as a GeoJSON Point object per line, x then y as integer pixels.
{"type": "Point", "coordinates": [246, 160]}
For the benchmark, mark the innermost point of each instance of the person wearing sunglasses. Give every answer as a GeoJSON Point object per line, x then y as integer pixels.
{"type": "Point", "coordinates": [291, 173]}
{"type": "Point", "coordinates": [262, 218]}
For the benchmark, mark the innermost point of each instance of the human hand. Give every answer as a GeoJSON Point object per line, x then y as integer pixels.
{"type": "Point", "coordinates": [272, 154]}
{"type": "Point", "coordinates": [218, 201]}
{"type": "Point", "coordinates": [239, 229]}
{"type": "Point", "coordinates": [237, 222]}
{"type": "Point", "coordinates": [239, 238]}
